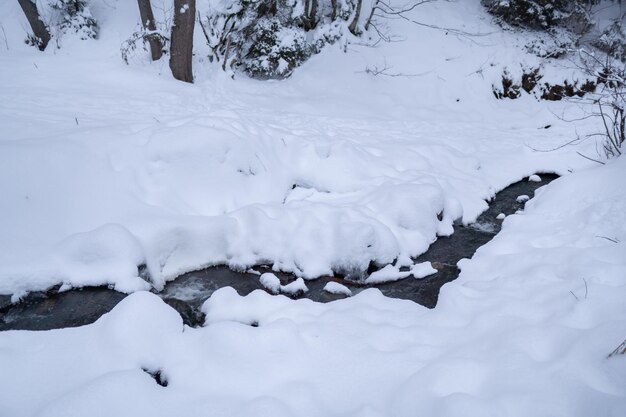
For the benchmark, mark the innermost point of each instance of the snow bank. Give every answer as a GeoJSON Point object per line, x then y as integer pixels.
{"type": "Point", "coordinates": [524, 331]}
{"type": "Point", "coordinates": [106, 167]}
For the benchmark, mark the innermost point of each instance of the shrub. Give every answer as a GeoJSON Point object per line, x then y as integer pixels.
{"type": "Point", "coordinates": [76, 18]}
{"type": "Point", "coordinates": [270, 38]}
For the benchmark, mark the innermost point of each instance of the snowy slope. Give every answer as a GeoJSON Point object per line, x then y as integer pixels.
{"type": "Point", "coordinates": [517, 334]}
{"type": "Point", "coordinates": [105, 167]}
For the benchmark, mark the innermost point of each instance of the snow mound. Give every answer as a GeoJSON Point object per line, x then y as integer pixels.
{"type": "Point", "coordinates": [422, 270]}
{"type": "Point", "coordinates": [296, 287]}
{"type": "Point", "coordinates": [337, 288]}
{"type": "Point", "coordinates": [388, 274]}
{"type": "Point", "coordinates": [270, 282]}
{"type": "Point", "coordinates": [273, 285]}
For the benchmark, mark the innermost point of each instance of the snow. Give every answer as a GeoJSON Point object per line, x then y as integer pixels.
{"type": "Point", "coordinates": [296, 287]}
{"type": "Point", "coordinates": [534, 178]}
{"type": "Point", "coordinates": [522, 198]}
{"type": "Point", "coordinates": [337, 288]}
{"type": "Point", "coordinates": [106, 167]}
{"type": "Point", "coordinates": [273, 285]}
{"type": "Point", "coordinates": [517, 334]}
{"type": "Point", "coordinates": [271, 282]}
{"type": "Point", "coordinates": [387, 274]}
{"type": "Point", "coordinates": [422, 270]}
{"type": "Point", "coordinates": [204, 174]}
{"type": "Point", "coordinates": [501, 216]}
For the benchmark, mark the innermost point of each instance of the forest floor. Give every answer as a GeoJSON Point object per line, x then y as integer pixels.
{"type": "Point", "coordinates": [109, 170]}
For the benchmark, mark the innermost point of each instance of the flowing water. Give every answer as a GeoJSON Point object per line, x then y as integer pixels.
{"type": "Point", "coordinates": [53, 309]}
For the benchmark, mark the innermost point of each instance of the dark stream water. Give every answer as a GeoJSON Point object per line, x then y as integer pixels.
{"type": "Point", "coordinates": [53, 309]}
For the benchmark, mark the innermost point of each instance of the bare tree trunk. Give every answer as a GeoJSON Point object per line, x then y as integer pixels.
{"type": "Point", "coordinates": [147, 20]}
{"type": "Point", "coordinates": [37, 25]}
{"type": "Point", "coordinates": [355, 22]}
{"type": "Point", "coordinates": [334, 5]}
{"type": "Point", "coordinates": [181, 41]}
{"type": "Point", "coordinates": [368, 22]}
{"type": "Point", "coordinates": [313, 14]}
{"type": "Point", "coordinates": [305, 15]}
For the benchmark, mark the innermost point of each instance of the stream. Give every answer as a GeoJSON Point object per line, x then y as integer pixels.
{"type": "Point", "coordinates": [52, 309]}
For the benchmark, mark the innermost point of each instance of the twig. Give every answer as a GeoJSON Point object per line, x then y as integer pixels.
{"type": "Point", "coordinates": [620, 350]}
{"type": "Point", "coordinates": [571, 142]}
{"type": "Point", "coordinates": [6, 42]}
{"type": "Point", "coordinates": [376, 70]}
{"type": "Point", "coordinates": [591, 159]}
{"type": "Point", "coordinates": [608, 238]}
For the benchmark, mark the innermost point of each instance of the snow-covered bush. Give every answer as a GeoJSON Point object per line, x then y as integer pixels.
{"type": "Point", "coordinates": [270, 38]}
{"type": "Point", "coordinates": [141, 37]}
{"type": "Point", "coordinates": [562, 26]}
{"type": "Point", "coordinates": [542, 14]}
{"type": "Point", "coordinates": [613, 40]}
{"type": "Point", "coordinates": [529, 81]}
{"type": "Point", "coordinates": [76, 18]}
{"type": "Point", "coordinates": [610, 101]}
{"type": "Point", "coordinates": [275, 50]}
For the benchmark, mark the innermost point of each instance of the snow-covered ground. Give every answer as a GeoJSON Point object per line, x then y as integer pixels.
{"type": "Point", "coordinates": [105, 167]}
{"type": "Point", "coordinates": [525, 331]}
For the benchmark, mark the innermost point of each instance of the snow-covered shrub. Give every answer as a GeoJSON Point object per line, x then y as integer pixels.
{"type": "Point", "coordinates": [610, 100]}
{"type": "Point", "coordinates": [529, 81]}
{"type": "Point", "coordinates": [509, 88]}
{"type": "Point", "coordinates": [76, 18]}
{"type": "Point", "coordinates": [613, 40]}
{"type": "Point", "coordinates": [270, 38]}
{"type": "Point", "coordinates": [274, 50]}
{"type": "Point", "coordinates": [141, 37]}
{"type": "Point", "coordinates": [556, 43]}
{"type": "Point", "coordinates": [542, 14]}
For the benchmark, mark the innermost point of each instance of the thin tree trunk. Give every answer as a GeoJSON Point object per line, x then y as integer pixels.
{"type": "Point", "coordinates": [147, 20]}
{"type": "Point", "coordinates": [355, 22]}
{"type": "Point", "coordinates": [313, 14]}
{"type": "Point", "coordinates": [37, 25]}
{"type": "Point", "coordinates": [307, 4]}
{"type": "Point", "coordinates": [181, 42]}
{"type": "Point", "coordinates": [334, 5]}
{"type": "Point", "coordinates": [368, 22]}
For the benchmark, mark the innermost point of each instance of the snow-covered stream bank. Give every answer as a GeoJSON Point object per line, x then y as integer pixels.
{"type": "Point", "coordinates": [524, 331]}
{"type": "Point", "coordinates": [106, 167]}
{"type": "Point", "coordinates": [77, 307]}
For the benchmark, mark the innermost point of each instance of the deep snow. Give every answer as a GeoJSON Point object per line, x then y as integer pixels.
{"type": "Point", "coordinates": [516, 335]}
{"type": "Point", "coordinates": [105, 167]}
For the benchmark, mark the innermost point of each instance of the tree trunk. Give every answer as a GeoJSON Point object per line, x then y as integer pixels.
{"type": "Point", "coordinates": [313, 14]}
{"type": "Point", "coordinates": [147, 20]}
{"type": "Point", "coordinates": [355, 22]}
{"type": "Point", "coordinates": [368, 22]}
{"type": "Point", "coordinates": [305, 15]}
{"type": "Point", "coordinates": [181, 42]}
{"type": "Point", "coordinates": [37, 25]}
